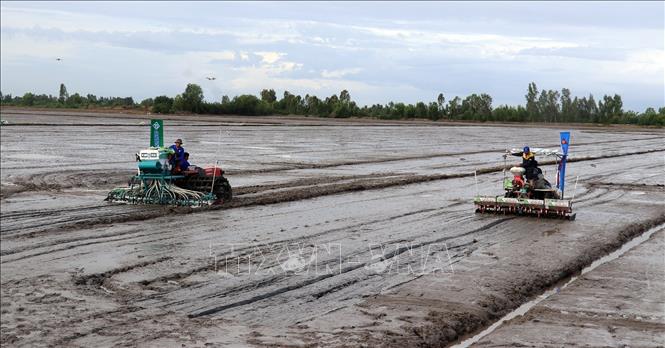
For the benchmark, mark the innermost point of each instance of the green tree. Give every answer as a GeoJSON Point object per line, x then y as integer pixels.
{"type": "Point", "coordinates": [63, 94]}
{"type": "Point", "coordinates": [75, 101]}
{"type": "Point", "coordinates": [147, 103]}
{"type": "Point", "coordinates": [610, 109]}
{"type": "Point", "coordinates": [532, 102]}
{"type": "Point", "coordinates": [178, 103]}
{"type": "Point", "coordinates": [344, 97]}
{"type": "Point", "coordinates": [92, 99]}
{"type": "Point", "coordinates": [421, 110]}
{"type": "Point", "coordinates": [552, 108]}
{"type": "Point", "coordinates": [28, 99]}
{"type": "Point", "coordinates": [162, 105]}
{"type": "Point", "coordinates": [246, 104]}
{"type": "Point", "coordinates": [291, 104]}
{"type": "Point", "coordinates": [312, 105]}
{"type": "Point", "coordinates": [542, 106]}
{"type": "Point", "coordinates": [592, 109]}
{"type": "Point", "coordinates": [567, 110]}
{"type": "Point", "coordinates": [268, 95]}
{"type": "Point", "coordinates": [434, 110]}
{"type": "Point", "coordinates": [192, 98]}
{"type": "Point", "coordinates": [440, 99]}
{"type": "Point", "coordinates": [477, 107]}
{"type": "Point", "coordinates": [454, 107]}
{"type": "Point", "coordinates": [331, 103]}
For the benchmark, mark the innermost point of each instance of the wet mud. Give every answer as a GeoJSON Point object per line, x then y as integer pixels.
{"type": "Point", "coordinates": [620, 303]}
{"type": "Point", "coordinates": [338, 235]}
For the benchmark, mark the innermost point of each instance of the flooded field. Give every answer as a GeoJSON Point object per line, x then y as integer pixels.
{"type": "Point", "coordinates": [341, 232]}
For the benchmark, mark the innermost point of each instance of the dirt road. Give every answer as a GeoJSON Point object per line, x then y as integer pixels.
{"type": "Point", "coordinates": [338, 234]}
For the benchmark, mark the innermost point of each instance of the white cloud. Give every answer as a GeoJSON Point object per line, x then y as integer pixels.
{"type": "Point", "coordinates": [339, 73]}
{"type": "Point", "coordinates": [28, 18]}
{"type": "Point", "coordinates": [270, 57]}
{"type": "Point", "coordinates": [403, 58]}
{"type": "Point", "coordinates": [273, 64]}
{"type": "Point", "coordinates": [645, 67]}
{"type": "Point", "coordinates": [210, 56]}
{"type": "Point", "coordinates": [486, 45]}
{"type": "Point", "coordinates": [20, 46]}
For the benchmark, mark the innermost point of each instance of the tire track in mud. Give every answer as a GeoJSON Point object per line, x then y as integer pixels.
{"type": "Point", "coordinates": [261, 248]}
{"type": "Point", "coordinates": [96, 179]}
{"type": "Point", "coordinates": [399, 180]}
{"type": "Point", "coordinates": [320, 278]}
{"type": "Point", "coordinates": [100, 179]}
{"type": "Point", "coordinates": [285, 277]}
{"type": "Point", "coordinates": [36, 222]}
{"type": "Point", "coordinates": [52, 222]}
{"type": "Point", "coordinates": [97, 239]}
{"type": "Point", "coordinates": [102, 239]}
{"type": "Point", "coordinates": [105, 278]}
{"type": "Point", "coordinates": [65, 179]}
{"type": "Point", "coordinates": [292, 166]}
{"type": "Point", "coordinates": [97, 279]}
{"type": "Point", "coordinates": [260, 195]}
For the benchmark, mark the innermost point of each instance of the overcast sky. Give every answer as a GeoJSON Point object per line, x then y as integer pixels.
{"type": "Point", "coordinates": [379, 51]}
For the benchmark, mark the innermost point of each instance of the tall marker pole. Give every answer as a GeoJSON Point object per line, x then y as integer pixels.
{"type": "Point", "coordinates": [565, 142]}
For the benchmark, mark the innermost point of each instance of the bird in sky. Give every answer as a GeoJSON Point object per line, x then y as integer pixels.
{"type": "Point", "coordinates": [211, 78]}
{"type": "Point", "coordinates": [58, 59]}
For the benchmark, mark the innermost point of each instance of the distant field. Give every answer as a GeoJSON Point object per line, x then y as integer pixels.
{"type": "Point", "coordinates": [341, 232]}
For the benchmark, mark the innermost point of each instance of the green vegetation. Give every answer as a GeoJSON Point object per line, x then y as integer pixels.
{"type": "Point", "coordinates": [541, 106]}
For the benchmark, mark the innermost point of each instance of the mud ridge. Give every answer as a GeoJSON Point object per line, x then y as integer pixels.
{"type": "Point", "coordinates": [70, 223]}
{"type": "Point", "coordinates": [629, 187]}
{"type": "Point", "coordinates": [446, 328]}
{"type": "Point", "coordinates": [97, 279]}
{"type": "Point", "coordinates": [60, 180]}
{"type": "Point", "coordinates": [245, 190]}
{"type": "Point", "coordinates": [299, 194]}
{"type": "Point", "coordinates": [306, 192]}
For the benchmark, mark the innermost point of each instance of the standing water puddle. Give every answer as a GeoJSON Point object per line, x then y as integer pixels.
{"type": "Point", "coordinates": [521, 310]}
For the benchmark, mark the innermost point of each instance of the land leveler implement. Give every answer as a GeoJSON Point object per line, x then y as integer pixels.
{"type": "Point", "coordinates": [156, 183]}
{"type": "Point", "coordinates": [533, 198]}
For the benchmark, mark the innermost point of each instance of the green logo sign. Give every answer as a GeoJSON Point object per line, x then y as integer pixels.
{"type": "Point", "coordinates": [156, 133]}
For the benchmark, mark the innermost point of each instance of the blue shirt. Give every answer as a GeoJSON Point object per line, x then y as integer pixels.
{"type": "Point", "coordinates": [184, 164]}
{"type": "Point", "coordinates": [179, 153]}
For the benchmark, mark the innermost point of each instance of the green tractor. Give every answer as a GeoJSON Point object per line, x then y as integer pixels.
{"type": "Point", "coordinates": [157, 183]}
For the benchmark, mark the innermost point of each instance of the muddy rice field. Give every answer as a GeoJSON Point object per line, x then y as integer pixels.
{"type": "Point", "coordinates": [340, 233]}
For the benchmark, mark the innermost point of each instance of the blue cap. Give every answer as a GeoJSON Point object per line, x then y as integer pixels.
{"type": "Point", "coordinates": [526, 149]}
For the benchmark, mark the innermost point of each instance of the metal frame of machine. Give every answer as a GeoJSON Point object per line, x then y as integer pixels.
{"type": "Point", "coordinates": [553, 206]}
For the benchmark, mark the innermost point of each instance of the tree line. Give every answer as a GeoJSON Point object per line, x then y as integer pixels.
{"type": "Point", "coordinates": [545, 106]}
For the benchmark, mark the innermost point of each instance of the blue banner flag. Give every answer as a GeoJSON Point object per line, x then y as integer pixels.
{"type": "Point", "coordinates": [561, 175]}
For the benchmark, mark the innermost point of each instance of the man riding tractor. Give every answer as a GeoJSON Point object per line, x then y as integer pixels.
{"type": "Point", "coordinates": [535, 184]}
